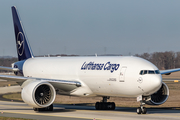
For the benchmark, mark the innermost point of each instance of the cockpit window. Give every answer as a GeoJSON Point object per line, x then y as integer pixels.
{"type": "Point", "coordinates": [145, 72]}
{"type": "Point", "coordinates": [151, 72]}
{"type": "Point", "coordinates": [157, 71]}
{"type": "Point", "coordinates": [142, 72]}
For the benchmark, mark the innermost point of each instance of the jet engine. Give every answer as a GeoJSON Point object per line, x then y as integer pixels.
{"type": "Point", "coordinates": [39, 94]}
{"type": "Point", "coordinates": [160, 96]}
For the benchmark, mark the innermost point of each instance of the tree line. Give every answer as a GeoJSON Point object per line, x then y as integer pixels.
{"type": "Point", "coordinates": [163, 60]}
{"type": "Point", "coordinates": [7, 61]}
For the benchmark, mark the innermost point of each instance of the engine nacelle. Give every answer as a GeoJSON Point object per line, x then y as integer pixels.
{"type": "Point", "coordinates": [160, 96]}
{"type": "Point", "coordinates": [38, 94]}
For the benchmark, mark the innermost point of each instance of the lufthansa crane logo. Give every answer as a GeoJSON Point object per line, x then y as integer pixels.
{"type": "Point", "coordinates": [20, 43]}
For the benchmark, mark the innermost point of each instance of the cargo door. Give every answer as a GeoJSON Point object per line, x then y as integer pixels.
{"type": "Point", "coordinates": [122, 74]}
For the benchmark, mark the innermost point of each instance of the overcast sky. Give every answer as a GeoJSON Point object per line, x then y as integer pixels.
{"type": "Point", "coordinates": [86, 27]}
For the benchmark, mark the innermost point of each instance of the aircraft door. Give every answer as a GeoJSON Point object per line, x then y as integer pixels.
{"type": "Point", "coordinates": [122, 74]}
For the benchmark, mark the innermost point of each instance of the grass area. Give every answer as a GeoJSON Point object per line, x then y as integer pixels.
{"type": "Point", "coordinates": [13, 96]}
{"type": "Point", "coordinates": [11, 118]}
{"type": "Point", "coordinates": [7, 83]}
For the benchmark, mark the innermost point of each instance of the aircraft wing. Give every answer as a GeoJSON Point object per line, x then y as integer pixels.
{"type": "Point", "coordinates": [168, 72]}
{"type": "Point", "coordinates": [66, 85]}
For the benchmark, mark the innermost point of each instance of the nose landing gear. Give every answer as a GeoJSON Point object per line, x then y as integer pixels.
{"type": "Point", "coordinates": [141, 109]}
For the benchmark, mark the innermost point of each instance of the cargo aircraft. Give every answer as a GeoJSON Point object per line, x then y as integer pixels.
{"type": "Point", "coordinates": [41, 78]}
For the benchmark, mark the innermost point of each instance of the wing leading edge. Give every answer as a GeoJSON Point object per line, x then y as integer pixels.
{"type": "Point", "coordinates": [168, 72]}
{"type": "Point", "coordinates": [59, 84]}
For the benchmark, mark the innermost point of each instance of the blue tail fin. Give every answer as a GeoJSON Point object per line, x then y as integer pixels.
{"type": "Point", "coordinates": [23, 48]}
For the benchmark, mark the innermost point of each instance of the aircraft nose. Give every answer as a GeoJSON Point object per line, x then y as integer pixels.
{"type": "Point", "coordinates": [156, 82]}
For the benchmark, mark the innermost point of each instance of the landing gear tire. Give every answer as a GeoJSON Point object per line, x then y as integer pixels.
{"type": "Point", "coordinates": [113, 106]}
{"type": "Point", "coordinates": [49, 108]}
{"type": "Point", "coordinates": [141, 110]}
{"type": "Point", "coordinates": [97, 106]}
{"type": "Point", "coordinates": [105, 106]}
{"type": "Point", "coordinates": [144, 111]}
{"type": "Point", "coordinates": [35, 109]}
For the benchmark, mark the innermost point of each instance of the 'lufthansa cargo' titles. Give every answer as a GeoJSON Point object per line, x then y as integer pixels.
{"type": "Point", "coordinates": [100, 66]}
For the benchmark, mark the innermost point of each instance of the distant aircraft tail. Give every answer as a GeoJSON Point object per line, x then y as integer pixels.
{"type": "Point", "coordinates": [23, 48]}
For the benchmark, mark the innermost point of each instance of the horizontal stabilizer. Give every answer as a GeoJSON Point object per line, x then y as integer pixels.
{"type": "Point", "coordinates": [13, 78]}
{"type": "Point", "coordinates": [9, 69]}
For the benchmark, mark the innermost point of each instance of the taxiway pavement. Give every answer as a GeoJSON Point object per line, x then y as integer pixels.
{"type": "Point", "coordinates": [77, 112]}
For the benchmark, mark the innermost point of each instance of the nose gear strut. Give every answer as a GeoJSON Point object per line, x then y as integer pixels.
{"type": "Point", "coordinates": [141, 109]}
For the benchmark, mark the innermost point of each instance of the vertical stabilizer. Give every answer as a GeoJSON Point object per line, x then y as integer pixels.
{"type": "Point", "coordinates": [23, 48]}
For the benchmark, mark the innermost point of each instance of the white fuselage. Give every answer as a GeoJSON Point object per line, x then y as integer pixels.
{"type": "Point", "coordinates": [100, 76]}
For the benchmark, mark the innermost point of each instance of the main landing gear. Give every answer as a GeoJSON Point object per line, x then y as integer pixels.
{"type": "Point", "coordinates": [49, 108]}
{"type": "Point", "coordinates": [104, 105]}
{"type": "Point", "coordinates": [141, 109]}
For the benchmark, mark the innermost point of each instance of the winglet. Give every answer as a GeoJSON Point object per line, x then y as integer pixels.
{"type": "Point", "coordinates": [23, 48]}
